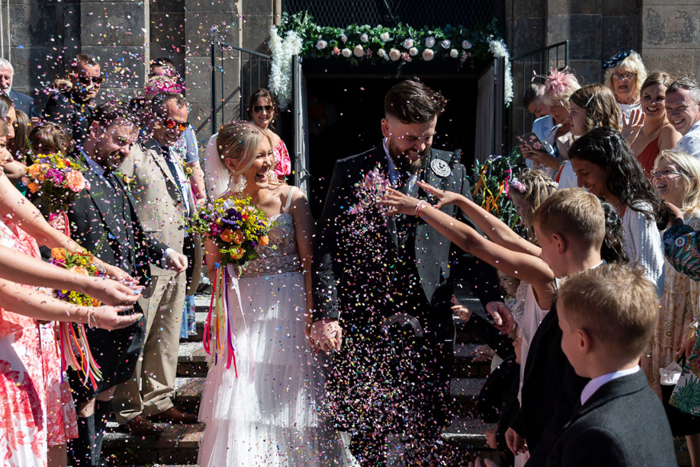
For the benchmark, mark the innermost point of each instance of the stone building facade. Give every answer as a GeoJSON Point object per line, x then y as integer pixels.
{"type": "Point", "coordinates": [44, 34]}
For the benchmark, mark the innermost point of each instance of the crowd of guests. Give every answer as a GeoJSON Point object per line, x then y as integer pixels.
{"type": "Point", "coordinates": [600, 298]}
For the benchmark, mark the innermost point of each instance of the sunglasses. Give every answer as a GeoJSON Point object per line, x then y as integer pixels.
{"type": "Point", "coordinates": [89, 79]}
{"type": "Point", "coordinates": [259, 108]}
{"type": "Point", "coordinates": [172, 124]}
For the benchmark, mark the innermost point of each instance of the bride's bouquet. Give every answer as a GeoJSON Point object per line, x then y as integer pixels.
{"type": "Point", "coordinates": [236, 227]}
{"type": "Point", "coordinates": [75, 350]}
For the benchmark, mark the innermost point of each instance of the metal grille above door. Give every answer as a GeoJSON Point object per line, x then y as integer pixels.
{"type": "Point", "coordinates": [417, 13]}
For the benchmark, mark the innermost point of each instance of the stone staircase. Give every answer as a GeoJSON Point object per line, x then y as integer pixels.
{"type": "Point", "coordinates": [179, 444]}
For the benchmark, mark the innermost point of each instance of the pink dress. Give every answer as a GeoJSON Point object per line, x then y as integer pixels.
{"type": "Point", "coordinates": [36, 409]}
{"type": "Point", "coordinates": [283, 164]}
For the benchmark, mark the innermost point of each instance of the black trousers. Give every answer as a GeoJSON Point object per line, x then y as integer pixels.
{"type": "Point", "coordinates": [391, 381]}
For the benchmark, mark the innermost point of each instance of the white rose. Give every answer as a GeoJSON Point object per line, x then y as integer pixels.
{"type": "Point", "coordinates": [446, 44]}
{"type": "Point", "coordinates": [364, 37]}
{"type": "Point", "coordinates": [428, 54]}
{"type": "Point", "coordinates": [430, 42]}
{"type": "Point", "coordinates": [358, 51]}
{"type": "Point", "coordinates": [394, 55]}
{"type": "Point", "coordinates": [466, 45]}
{"type": "Point", "coordinates": [408, 43]}
{"type": "Point", "coordinates": [343, 38]}
{"type": "Point", "coordinates": [347, 53]}
{"type": "Point", "coordinates": [382, 53]}
{"type": "Point", "coordinates": [454, 53]}
{"type": "Point", "coordinates": [385, 37]}
{"type": "Point", "coordinates": [412, 51]}
{"type": "Point", "coordinates": [320, 45]}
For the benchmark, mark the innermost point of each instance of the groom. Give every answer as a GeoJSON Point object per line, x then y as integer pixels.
{"type": "Point", "coordinates": [383, 286]}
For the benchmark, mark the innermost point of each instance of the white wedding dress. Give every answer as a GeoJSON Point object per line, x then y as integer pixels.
{"type": "Point", "coordinates": [270, 415]}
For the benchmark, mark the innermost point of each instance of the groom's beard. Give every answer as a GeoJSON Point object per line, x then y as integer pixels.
{"type": "Point", "coordinates": [402, 159]}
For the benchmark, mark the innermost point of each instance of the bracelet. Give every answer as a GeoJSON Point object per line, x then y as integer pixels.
{"type": "Point", "coordinates": [419, 207]}
{"type": "Point", "coordinates": [91, 321]}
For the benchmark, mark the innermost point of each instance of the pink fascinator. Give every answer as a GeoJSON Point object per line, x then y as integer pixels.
{"type": "Point", "coordinates": [559, 82]}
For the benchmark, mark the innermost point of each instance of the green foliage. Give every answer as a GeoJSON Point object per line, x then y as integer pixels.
{"type": "Point", "coordinates": [489, 180]}
{"type": "Point", "coordinates": [311, 33]}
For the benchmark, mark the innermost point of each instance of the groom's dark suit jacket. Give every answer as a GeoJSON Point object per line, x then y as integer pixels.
{"type": "Point", "coordinates": [104, 221]}
{"type": "Point", "coordinates": [338, 264]}
{"type": "Point", "coordinates": [622, 424]}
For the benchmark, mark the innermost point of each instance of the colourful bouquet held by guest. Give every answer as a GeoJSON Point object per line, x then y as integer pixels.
{"type": "Point", "coordinates": [71, 336]}
{"type": "Point", "coordinates": [56, 180]}
{"type": "Point", "coordinates": [237, 228]}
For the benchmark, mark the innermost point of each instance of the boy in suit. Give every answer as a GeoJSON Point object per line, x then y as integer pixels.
{"type": "Point", "coordinates": [606, 316]}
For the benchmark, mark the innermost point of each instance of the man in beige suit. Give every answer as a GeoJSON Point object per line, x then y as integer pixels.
{"type": "Point", "coordinates": [164, 202]}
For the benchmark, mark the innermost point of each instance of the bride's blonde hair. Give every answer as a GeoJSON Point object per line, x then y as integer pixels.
{"type": "Point", "coordinates": [240, 141]}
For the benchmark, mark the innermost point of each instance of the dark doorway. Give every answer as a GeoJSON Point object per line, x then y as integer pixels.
{"type": "Point", "coordinates": [345, 111]}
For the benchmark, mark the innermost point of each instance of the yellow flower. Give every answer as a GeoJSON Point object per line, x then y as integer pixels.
{"type": "Point", "coordinates": [237, 252]}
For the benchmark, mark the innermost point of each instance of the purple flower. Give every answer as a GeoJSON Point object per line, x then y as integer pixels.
{"type": "Point", "coordinates": [253, 244]}
{"type": "Point", "coordinates": [56, 176]}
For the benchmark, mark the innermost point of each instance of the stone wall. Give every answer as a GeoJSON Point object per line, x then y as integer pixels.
{"type": "Point", "coordinates": [671, 36]}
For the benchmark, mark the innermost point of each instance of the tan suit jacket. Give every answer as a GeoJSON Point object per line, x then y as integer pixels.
{"type": "Point", "coordinates": [157, 196]}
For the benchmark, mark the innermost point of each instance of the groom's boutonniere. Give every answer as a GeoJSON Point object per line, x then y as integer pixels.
{"type": "Point", "coordinates": [129, 182]}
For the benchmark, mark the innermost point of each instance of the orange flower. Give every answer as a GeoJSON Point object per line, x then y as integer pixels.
{"type": "Point", "coordinates": [238, 237]}
{"type": "Point", "coordinates": [33, 187]}
{"type": "Point", "coordinates": [96, 302]}
{"type": "Point", "coordinates": [264, 240]}
{"type": "Point", "coordinates": [59, 254]}
{"type": "Point", "coordinates": [80, 270]}
{"type": "Point", "coordinates": [226, 236]}
{"type": "Point", "coordinates": [37, 169]}
{"type": "Point", "coordinates": [237, 252]}
{"type": "Point", "coordinates": [76, 181]}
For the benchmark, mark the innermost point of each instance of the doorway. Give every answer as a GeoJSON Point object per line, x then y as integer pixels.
{"type": "Point", "coordinates": [345, 111]}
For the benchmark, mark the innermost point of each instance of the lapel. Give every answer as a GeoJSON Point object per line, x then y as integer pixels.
{"type": "Point", "coordinates": [610, 391]}
{"type": "Point", "coordinates": [97, 190]}
{"type": "Point", "coordinates": [151, 147]}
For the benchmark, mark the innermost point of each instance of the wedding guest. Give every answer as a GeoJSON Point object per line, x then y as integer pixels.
{"type": "Point", "coordinates": [19, 219]}
{"type": "Point", "coordinates": [559, 86]}
{"type": "Point", "coordinates": [21, 101]}
{"type": "Point", "coordinates": [648, 131]}
{"type": "Point", "coordinates": [75, 107]}
{"type": "Point", "coordinates": [624, 75]}
{"type": "Point", "coordinates": [683, 111]}
{"type": "Point", "coordinates": [103, 218]}
{"type": "Point", "coordinates": [50, 138]}
{"type": "Point", "coordinates": [606, 167]}
{"type": "Point", "coordinates": [403, 270]}
{"type": "Point", "coordinates": [592, 106]}
{"type": "Point", "coordinates": [606, 316]}
{"type": "Point", "coordinates": [677, 177]}
{"type": "Point", "coordinates": [187, 149]}
{"type": "Point", "coordinates": [533, 101]}
{"type": "Point", "coordinates": [262, 110]}
{"type": "Point", "coordinates": [164, 202]}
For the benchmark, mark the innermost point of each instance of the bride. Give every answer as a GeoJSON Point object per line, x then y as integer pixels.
{"type": "Point", "coordinates": [270, 414]}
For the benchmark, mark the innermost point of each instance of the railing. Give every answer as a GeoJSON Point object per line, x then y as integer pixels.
{"type": "Point", "coordinates": [540, 61]}
{"type": "Point", "coordinates": [255, 77]}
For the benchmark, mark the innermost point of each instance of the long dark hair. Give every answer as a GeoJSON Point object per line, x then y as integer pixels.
{"type": "Point", "coordinates": [606, 148]}
{"type": "Point", "coordinates": [611, 250]}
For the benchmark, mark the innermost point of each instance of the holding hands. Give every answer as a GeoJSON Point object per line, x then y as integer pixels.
{"type": "Point", "coordinates": [325, 335]}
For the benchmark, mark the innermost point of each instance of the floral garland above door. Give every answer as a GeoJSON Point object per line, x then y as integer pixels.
{"type": "Point", "coordinates": [299, 35]}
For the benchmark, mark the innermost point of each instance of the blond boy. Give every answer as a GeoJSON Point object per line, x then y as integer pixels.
{"type": "Point", "coordinates": [606, 316]}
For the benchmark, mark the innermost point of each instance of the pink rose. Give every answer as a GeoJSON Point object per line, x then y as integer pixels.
{"type": "Point", "coordinates": [76, 181]}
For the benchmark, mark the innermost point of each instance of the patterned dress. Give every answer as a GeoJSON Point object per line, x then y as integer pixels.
{"type": "Point", "coordinates": [679, 307]}
{"type": "Point", "coordinates": [36, 410]}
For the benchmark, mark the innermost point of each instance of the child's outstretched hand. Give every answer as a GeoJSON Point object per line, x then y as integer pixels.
{"type": "Point", "coordinates": [445, 198]}
{"type": "Point", "coordinates": [398, 203]}
{"type": "Point", "coordinates": [502, 316]}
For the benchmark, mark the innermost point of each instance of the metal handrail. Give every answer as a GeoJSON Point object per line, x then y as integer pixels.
{"type": "Point", "coordinates": [214, 70]}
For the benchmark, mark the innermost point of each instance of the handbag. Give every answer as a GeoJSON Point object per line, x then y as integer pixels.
{"type": "Point", "coordinates": [682, 423]}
